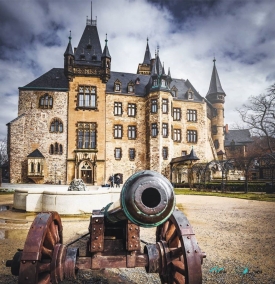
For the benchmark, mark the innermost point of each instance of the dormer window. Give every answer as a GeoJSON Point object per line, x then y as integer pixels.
{"type": "Point", "coordinates": [174, 91]}
{"type": "Point", "coordinates": [89, 46]}
{"type": "Point", "coordinates": [137, 81]}
{"type": "Point", "coordinates": [155, 83]}
{"type": "Point", "coordinates": [163, 83]}
{"type": "Point", "coordinates": [190, 95]}
{"type": "Point", "coordinates": [131, 87]}
{"type": "Point", "coordinates": [94, 58]}
{"type": "Point", "coordinates": [117, 86]}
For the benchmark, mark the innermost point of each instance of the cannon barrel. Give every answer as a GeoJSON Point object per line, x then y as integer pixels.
{"type": "Point", "coordinates": [147, 199]}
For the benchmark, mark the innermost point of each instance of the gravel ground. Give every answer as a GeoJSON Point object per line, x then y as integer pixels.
{"type": "Point", "coordinates": [237, 235]}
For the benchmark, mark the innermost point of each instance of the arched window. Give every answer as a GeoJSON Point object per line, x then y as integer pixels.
{"type": "Point", "coordinates": [51, 149]}
{"type": "Point", "coordinates": [32, 167]}
{"type": "Point", "coordinates": [56, 125]}
{"type": "Point", "coordinates": [56, 149]}
{"type": "Point", "coordinates": [46, 101]}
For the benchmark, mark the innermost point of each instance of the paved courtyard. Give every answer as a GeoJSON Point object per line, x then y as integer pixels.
{"type": "Point", "coordinates": [237, 235]}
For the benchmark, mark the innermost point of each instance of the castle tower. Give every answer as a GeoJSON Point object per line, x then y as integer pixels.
{"type": "Point", "coordinates": [216, 96]}
{"type": "Point", "coordinates": [145, 67]}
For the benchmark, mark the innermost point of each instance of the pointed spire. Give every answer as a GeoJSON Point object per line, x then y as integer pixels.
{"type": "Point", "coordinates": [169, 74]}
{"type": "Point", "coordinates": [192, 155]}
{"type": "Point", "coordinates": [163, 71]}
{"type": "Point", "coordinates": [106, 52]}
{"type": "Point", "coordinates": [147, 55]}
{"type": "Point", "coordinates": [69, 49]}
{"type": "Point", "coordinates": [215, 84]}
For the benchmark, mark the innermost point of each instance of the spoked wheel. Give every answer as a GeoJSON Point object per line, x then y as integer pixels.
{"type": "Point", "coordinates": [43, 254]}
{"type": "Point", "coordinates": [180, 255]}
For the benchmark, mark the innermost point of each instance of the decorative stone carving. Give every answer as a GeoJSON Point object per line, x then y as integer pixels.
{"type": "Point", "coordinates": [77, 185]}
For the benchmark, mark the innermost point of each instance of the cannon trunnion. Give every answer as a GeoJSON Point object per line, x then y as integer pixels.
{"type": "Point", "coordinates": [147, 200]}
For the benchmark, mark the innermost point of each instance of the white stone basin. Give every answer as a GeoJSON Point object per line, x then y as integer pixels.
{"type": "Point", "coordinates": [63, 201]}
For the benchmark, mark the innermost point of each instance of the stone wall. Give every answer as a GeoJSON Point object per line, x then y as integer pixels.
{"type": "Point", "coordinates": [31, 130]}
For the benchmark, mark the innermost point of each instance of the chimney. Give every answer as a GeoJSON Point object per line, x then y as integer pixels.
{"type": "Point", "coordinates": [226, 128]}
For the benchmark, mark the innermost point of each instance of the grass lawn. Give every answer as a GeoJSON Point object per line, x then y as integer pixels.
{"type": "Point", "coordinates": [249, 196]}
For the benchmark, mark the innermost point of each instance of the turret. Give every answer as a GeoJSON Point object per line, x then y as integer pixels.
{"type": "Point", "coordinates": [216, 97]}
{"type": "Point", "coordinates": [105, 63]}
{"type": "Point", "coordinates": [69, 60]}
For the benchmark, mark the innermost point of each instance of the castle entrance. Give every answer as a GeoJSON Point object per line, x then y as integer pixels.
{"type": "Point", "coordinates": [86, 176]}
{"type": "Point", "coordinates": [86, 172]}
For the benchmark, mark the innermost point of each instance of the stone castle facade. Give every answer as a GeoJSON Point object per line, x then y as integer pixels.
{"type": "Point", "coordinates": [87, 121]}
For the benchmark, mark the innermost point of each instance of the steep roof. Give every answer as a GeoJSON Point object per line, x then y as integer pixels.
{"type": "Point", "coordinates": [56, 80]}
{"type": "Point", "coordinates": [240, 137]}
{"type": "Point", "coordinates": [88, 51]}
{"type": "Point", "coordinates": [69, 49]}
{"type": "Point", "coordinates": [51, 80]}
{"type": "Point", "coordinates": [106, 52]}
{"type": "Point", "coordinates": [147, 55]}
{"type": "Point", "coordinates": [215, 84]}
{"type": "Point", "coordinates": [126, 78]}
{"type": "Point", "coordinates": [35, 154]}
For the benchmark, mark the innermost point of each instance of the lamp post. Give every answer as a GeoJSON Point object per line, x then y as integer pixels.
{"type": "Point", "coordinates": [54, 173]}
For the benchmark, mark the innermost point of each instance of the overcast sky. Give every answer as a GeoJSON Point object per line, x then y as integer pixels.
{"type": "Point", "coordinates": [189, 33]}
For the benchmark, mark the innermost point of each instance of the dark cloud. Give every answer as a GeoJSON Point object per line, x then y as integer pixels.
{"type": "Point", "coordinates": [239, 33]}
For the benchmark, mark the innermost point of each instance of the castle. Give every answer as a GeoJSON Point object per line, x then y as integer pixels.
{"type": "Point", "coordinates": [87, 121]}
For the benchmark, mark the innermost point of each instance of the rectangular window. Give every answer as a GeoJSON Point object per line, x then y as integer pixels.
{"type": "Point", "coordinates": [176, 113]}
{"type": "Point", "coordinates": [164, 106]}
{"type": "Point", "coordinates": [118, 131]}
{"type": "Point", "coordinates": [118, 153]}
{"type": "Point", "coordinates": [87, 96]}
{"type": "Point", "coordinates": [132, 153]}
{"type": "Point", "coordinates": [165, 129]}
{"type": "Point", "coordinates": [214, 129]}
{"type": "Point", "coordinates": [117, 87]}
{"type": "Point", "coordinates": [154, 130]}
{"type": "Point", "coordinates": [177, 135]}
{"type": "Point", "coordinates": [183, 153]}
{"type": "Point", "coordinates": [86, 135]}
{"type": "Point", "coordinates": [191, 115]}
{"type": "Point", "coordinates": [131, 109]}
{"type": "Point", "coordinates": [165, 153]}
{"type": "Point", "coordinates": [192, 136]}
{"type": "Point", "coordinates": [154, 106]}
{"type": "Point", "coordinates": [117, 108]}
{"type": "Point", "coordinates": [132, 132]}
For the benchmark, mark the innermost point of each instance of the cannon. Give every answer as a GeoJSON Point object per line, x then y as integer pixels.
{"type": "Point", "coordinates": [147, 200]}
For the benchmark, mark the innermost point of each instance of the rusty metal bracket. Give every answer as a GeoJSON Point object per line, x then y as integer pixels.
{"type": "Point", "coordinates": [96, 229]}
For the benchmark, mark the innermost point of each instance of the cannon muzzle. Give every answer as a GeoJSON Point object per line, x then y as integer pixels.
{"type": "Point", "coordinates": [147, 199]}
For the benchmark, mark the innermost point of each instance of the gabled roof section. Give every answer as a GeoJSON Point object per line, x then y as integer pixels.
{"type": "Point", "coordinates": [215, 84]}
{"type": "Point", "coordinates": [89, 50]}
{"type": "Point", "coordinates": [183, 86]}
{"type": "Point", "coordinates": [15, 119]}
{"type": "Point", "coordinates": [240, 137]}
{"type": "Point", "coordinates": [124, 78]}
{"type": "Point", "coordinates": [147, 55]}
{"type": "Point", "coordinates": [35, 154]}
{"type": "Point", "coordinates": [51, 80]}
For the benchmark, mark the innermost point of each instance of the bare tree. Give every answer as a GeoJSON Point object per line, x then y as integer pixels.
{"type": "Point", "coordinates": [3, 152]}
{"type": "Point", "coordinates": [259, 116]}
